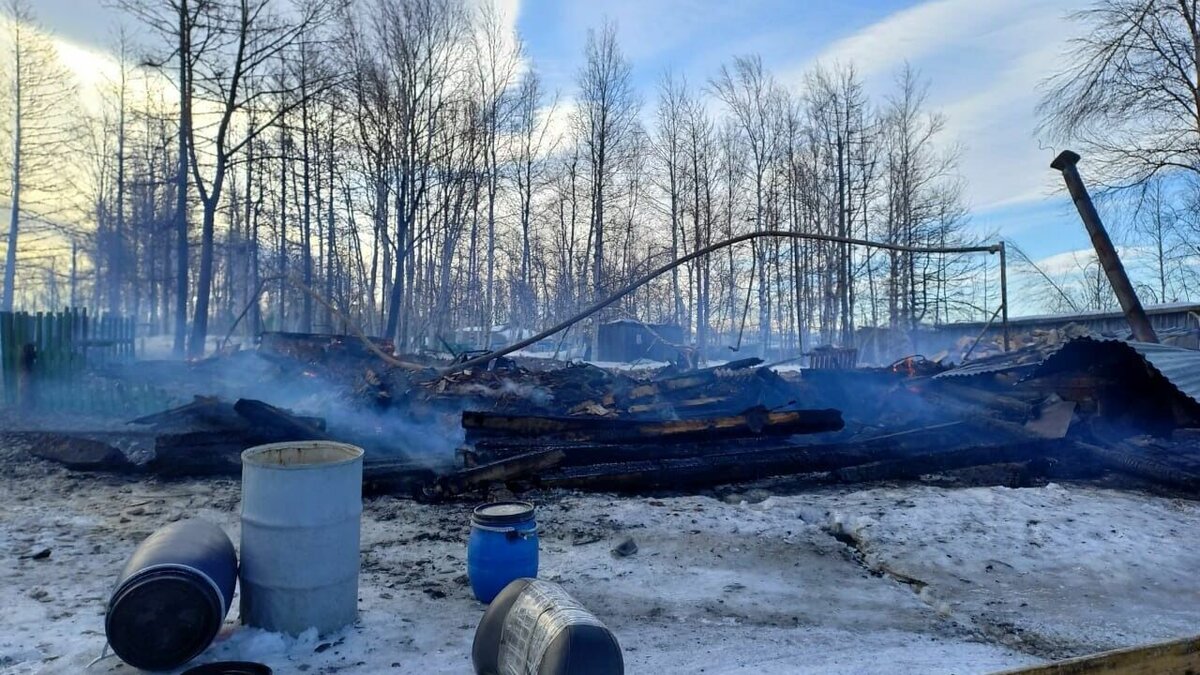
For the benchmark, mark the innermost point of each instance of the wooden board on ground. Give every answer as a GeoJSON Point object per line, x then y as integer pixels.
{"type": "Point", "coordinates": [1177, 657]}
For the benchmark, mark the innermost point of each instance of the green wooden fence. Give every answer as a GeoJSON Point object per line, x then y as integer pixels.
{"type": "Point", "coordinates": [44, 356]}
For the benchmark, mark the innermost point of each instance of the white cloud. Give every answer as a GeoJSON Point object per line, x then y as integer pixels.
{"type": "Point", "coordinates": [1067, 263]}
{"type": "Point", "coordinates": [984, 61]}
{"type": "Point", "coordinates": [926, 29]}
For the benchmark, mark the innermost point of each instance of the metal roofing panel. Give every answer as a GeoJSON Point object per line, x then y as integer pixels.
{"type": "Point", "coordinates": [1027, 357]}
{"type": "Point", "coordinates": [1180, 366]}
{"type": "Point", "coordinates": [1177, 365]}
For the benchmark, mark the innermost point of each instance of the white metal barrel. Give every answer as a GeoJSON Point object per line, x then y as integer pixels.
{"type": "Point", "coordinates": [301, 507]}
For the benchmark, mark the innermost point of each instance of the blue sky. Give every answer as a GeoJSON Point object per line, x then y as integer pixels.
{"type": "Point", "coordinates": [983, 59]}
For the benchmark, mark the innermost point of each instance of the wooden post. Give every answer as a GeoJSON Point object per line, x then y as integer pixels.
{"type": "Point", "coordinates": [25, 377]}
{"type": "Point", "coordinates": [1004, 293]}
{"type": "Point", "coordinates": [8, 360]}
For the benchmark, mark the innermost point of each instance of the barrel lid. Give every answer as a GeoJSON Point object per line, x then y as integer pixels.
{"type": "Point", "coordinates": [162, 620]}
{"type": "Point", "coordinates": [502, 513]}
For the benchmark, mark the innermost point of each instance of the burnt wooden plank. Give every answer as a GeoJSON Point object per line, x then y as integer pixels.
{"type": "Point", "coordinates": [270, 421]}
{"type": "Point", "coordinates": [754, 421]}
{"type": "Point", "coordinates": [1175, 657]}
{"type": "Point", "coordinates": [520, 466]}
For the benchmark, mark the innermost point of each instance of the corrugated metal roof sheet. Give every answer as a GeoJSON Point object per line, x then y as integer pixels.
{"type": "Point", "coordinates": [1025, 358]}
{"type": "Point", "coordinates": [1178, 366]}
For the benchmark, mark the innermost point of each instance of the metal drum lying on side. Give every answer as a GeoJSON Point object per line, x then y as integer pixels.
{"type": "Point", "coordinates": [535, 627]}
{"type": "Point", "coordinates": [172, 596]}
{"type": "Point", "coordinates": [301, 507]}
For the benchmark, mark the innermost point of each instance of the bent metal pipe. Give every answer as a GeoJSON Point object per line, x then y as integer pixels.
{"type": "Point", "coordinates": [760, 234]}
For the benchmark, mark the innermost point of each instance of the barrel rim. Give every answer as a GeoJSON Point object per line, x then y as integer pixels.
{"type": "Point", "coordinates": [229, 668]}
{"type": "Point", "coordinates": [252, 456]}
{"type": "Point", "coordinates": [132, 586]}
{"type": "Point", "coordinates": [477, 516]}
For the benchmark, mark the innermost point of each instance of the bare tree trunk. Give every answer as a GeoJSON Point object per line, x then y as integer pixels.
{"type": "Point", "coordinates": [14, 218]}
{"type": "Point", "coordinates": [181, 179]}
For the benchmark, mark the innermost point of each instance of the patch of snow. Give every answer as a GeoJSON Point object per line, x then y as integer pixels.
{"type": "Point", "coordinates": [935, 580]}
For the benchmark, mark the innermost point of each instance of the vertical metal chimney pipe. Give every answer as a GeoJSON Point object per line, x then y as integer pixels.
{"type": "Point", "coordinates": [1105, 251]}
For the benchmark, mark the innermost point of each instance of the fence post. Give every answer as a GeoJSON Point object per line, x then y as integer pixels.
{"type": "Point", "coordinates": [8, 357]}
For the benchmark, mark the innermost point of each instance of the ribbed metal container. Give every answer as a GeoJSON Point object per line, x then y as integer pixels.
{"type": "Point", "coordinates": [534, 626]}
{"type": "Point", "coordinates": [301, 508]}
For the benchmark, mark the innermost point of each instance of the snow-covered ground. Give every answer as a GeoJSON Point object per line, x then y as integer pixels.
{"type": "Point", "coordinates": [912, 579]}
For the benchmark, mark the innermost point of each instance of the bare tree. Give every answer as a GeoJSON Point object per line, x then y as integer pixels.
{"type": "Point", "coordinates": [422, 45]}
{"type": "Point", "coordinates": [234, 78]}
{"type": "Point", "coordinates": [530, 146]}
{"type": "Point", "coordinates": [671, 113]}
{"type": "Point", "coordinates": [1131, 94]}
{"type": "Point", "coordinates": [41, 126]}
{"type": "Point", "coordinates": [605, 120]}
{"type": "Point", "coordinates": [699, 153]}
{"type": "Point", "coordinates": [753, 98]}
{"type": "Point", "coordinates": [497, 57]}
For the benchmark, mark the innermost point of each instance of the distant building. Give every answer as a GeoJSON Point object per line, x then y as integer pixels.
{"type": "Point", "coordinates": [628, 341]}
{"type": "Point", "coordinates": [473, 338]}
{"type": "Point", "coordinates": [1177, 323]}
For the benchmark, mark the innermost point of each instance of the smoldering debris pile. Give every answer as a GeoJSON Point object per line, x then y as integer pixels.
{"type": "Point", "coordinates": [1084, 409]}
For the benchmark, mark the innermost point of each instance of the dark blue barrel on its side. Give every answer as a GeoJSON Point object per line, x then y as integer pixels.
{"type": "Point", "coordinates": [503, 547]}
{"type": "Point", "coordinates": [172, 596]}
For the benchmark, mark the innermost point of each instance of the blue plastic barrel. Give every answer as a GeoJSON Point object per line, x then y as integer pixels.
{"type": "Point", "coordinates": [172, 596]}
{"type": "Point", "coordinates": [503, 547]}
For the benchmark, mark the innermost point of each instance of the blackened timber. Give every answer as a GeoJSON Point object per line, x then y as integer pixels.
{"type": "Point", "coordinates": [754, 421]}
{"type": "Point", "coordinates": [395, 477]}
{"type": "Point", "coordinates": [200, 453]}
{"type": "Point", "coordinates": [747, 464]}
{"type": "Point", "coordinates": [1129, 459]}
{"type": "Point", "coordinates": [520, 466]}
{"type": "Point", "coordinates": [689, 380]}
{"type": "Point", "coordinates": [671, 473]}
{"type": "Point", "coordinates": [76, 452]}
{"type": "Point", "coordinates": [277, 424]}
{"type": "Point", "coordinates": [825, 455]}
{"type": "Point", "coordinates": [711, 471]}
{"type": "Point", "coordinates": [1008, 405]}
{"type": "Point", "coordinates": [203, 410]}
{"type": "Point", "coordinates": [660, 406]}
{"type": "Point", "coordinates": [915, 466]}
{"type": "Point", "coordinates": [820, 456]}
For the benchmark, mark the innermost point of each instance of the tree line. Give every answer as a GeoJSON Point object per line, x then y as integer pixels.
{"type": "Point", "coordinates": [401, 167]}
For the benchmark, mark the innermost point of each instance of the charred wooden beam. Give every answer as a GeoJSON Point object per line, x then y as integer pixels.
{"type": "Point", "coordinates": [835, 454]}
{"type": "Point", "coordinates": [75, 452]}
{"type": "Point", "coordinates": [396, 477]}
{"type": "Point", "coordinates": [277, 424]}
{"type": "Point", "coordinates": [755, 421]}
{"type": "Point", "coordinates": [200, 453]}
{"type": "Point", "coordinates": [683, 472]}
{"type": "Point", "coordinates": [913, 467]}
{"type": "Point", "coordinates": [689, 380]}
{"type": "Point", "coordinates": [1007, 405]}
{"type": "Point", "coordinates": [821, 467]}
{"type": "Point", "coordinates": [1129, 459]}
{"type": "Point", "coordinates": [521, 466]}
